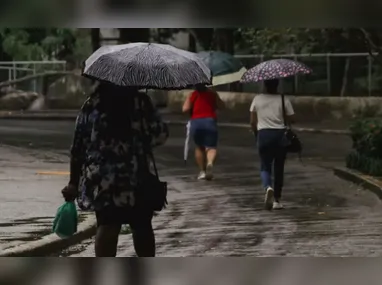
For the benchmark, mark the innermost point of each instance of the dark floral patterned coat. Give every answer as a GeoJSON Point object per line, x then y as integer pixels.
{"type": "Point", "coordinates": [109, 142]}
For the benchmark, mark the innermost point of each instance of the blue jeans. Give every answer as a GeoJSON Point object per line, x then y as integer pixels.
{"type": "Point", "coordinates": [205, 132]}
{"type": "Point", "coordinates": [272, 155]}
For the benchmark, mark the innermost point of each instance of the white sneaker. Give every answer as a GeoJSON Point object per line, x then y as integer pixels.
{"type": "Point", "coordinates": [209, 174]}
{"type": "Point", "coordinates": [202, 175]}
{"type": "Point", "coordinates": [277, 206]}
{"type": "Point", "coordinates": [269, 198]}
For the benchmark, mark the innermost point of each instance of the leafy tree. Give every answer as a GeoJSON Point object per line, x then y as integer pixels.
{"type": "Point", "coordinates": [302, 40]}
{"type": "Point", "coordinates": [45, 44]}
{"type": "Point", "coordinates": [38, 44]}
{"type": "Point", "coordinates": [207, 38]}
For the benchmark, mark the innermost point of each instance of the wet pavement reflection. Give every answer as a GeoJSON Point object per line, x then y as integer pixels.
{"type": "Point", "coordinates": [324, 215]}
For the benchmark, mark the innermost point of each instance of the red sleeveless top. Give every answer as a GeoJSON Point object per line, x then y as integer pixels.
{"type": "Point", "coordinates": [204, 104]}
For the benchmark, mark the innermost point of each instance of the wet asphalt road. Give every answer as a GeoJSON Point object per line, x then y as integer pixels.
{"type": "Point", "coordinates": [28, 200]}
{"type": "Point", "coordinates": [324, 215]}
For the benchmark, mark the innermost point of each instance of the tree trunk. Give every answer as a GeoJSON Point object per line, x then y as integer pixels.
{"type": "Point", "coordinates": [345, 77]}
{"type": "Point", "coordinates": [4, 75]}
{"type": "Point", "coordinates": [225, 43]}
{"type": "Point", "coordinates": [191, 42]}
{"type": "Point", "coordinates": [134, 35]}
{"type": "Point", "coordinates": [204, 36]}
{"type": "Point", "coordinates": [96, 38]}
{"type": "Point", "coordinates": [225, 40]}
{"type": "Point", "coordinates": [336, 75]}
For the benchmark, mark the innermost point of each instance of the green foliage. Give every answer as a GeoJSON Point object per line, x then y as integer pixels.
{"type": "Point", "coordinates": [367, 136]}
{"type": "Point", "coordinates": [24, 44]}
{"type": "Point", "coordinates": [273, 41]}
{"type": "Point", "coordinates": [302, 40]}
{"type": "Point", "coordinates": [16, 43]}
{"type": "Point", "coordinates": [125, 230]}
{"type": "Point", "coordinates": [363, 163]}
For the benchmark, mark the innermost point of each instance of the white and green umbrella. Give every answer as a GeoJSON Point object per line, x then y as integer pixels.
{"type": "Point", "coordinates": [225, 68]}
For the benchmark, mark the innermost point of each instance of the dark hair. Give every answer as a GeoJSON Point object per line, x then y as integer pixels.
{"type": "Point", "coordinates": [271, 85]}
{"type": "Point", "coordinates": [117, 103]}
{"type": "Point", "coordinates": [201, 87]}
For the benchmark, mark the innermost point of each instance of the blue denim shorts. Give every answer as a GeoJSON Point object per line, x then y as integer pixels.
{"type": "Point", "coordinates": [204, 132]}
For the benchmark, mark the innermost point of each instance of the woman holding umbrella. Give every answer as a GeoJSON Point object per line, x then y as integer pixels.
{"type": "Point", "coordinates": [267, 123]}
{"type": "Point", "coordinates": [116, 129]}
{"type": "Point", "coordinates": [270, 116]}
{"type": "Point", "coordinates": [202, 104]}
{"type": "Point", "coordinates": [105, 164]}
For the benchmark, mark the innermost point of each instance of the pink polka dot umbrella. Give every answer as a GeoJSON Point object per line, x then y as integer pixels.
{"type": "Point", "coordinates": [274, 69]}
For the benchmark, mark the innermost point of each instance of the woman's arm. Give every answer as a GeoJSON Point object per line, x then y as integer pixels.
{"type": "Point", "coordinates": [77, 152]}
{"type": "Point", "coordinates": [290, 116]}
{"type": "Point", "coordinates": [253, 116]}
{"type": "Point", "coordinates": [253, 121]}
{"type": "Point", "coordinates": [219, 102]}
{"type": "Point", "coordinates": [291, 119]}
{"type": "Point", "coordinates": [187, 105]}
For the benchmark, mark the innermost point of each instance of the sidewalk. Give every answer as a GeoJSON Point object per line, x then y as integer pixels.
{"type": "Point", "coordinates": [28, 200]}
{"type": "Point", "coordinates": [324, 215]}
{"type": "Point", "coordinates": [372, 183]}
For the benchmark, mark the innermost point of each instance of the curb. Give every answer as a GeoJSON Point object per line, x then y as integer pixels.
{"type": "Point", "coordinates": [43, 117]}
{"type": "Point", "coordinates": [297, 129]}
{"type": "Point", "coordinates": [39, 117]}
{"type": "Point", "coordinates": [52, 243]}
{"type": "Point", "coordinates": [357, 178]}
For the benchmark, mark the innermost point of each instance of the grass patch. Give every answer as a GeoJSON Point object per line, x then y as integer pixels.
{"type": "Point", "coordinates": [125, 230]}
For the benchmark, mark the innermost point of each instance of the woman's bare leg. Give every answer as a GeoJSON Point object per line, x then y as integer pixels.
{"type": "Point", "coordinates": [144, 239]}
{"type": "Point", "coordinates": [211, 155]}
{"type": "Point", "coordinates": [200, 157]}
{"type": "Point", "coordinates": [106, 240]}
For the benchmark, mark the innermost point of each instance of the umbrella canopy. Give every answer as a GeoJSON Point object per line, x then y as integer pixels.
{"type": "Point", "coordinates": [273, 69]}
{"type": "Point", "coordinates": [147, 65]}
{"type": "Point", "coordinates": [225, 68]}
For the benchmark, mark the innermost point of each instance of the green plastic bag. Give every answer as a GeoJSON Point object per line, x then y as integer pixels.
{"type": "Point", "coordinates": [66, 220]}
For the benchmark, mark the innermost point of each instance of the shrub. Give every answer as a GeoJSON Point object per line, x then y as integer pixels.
{"type": "Point", "coordinates": [366, 134]}
{"type": "Point", "coordinates": [363, 163]}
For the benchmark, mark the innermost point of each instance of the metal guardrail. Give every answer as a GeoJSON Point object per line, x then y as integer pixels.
{"type": "Point", "coordinates": [17, 69]}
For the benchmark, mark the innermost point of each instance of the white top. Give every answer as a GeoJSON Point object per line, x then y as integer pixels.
{"type": "Point", "coordinates": [269, 111]}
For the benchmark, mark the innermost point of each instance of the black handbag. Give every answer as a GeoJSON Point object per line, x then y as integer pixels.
{"type": "Point", "coordinates": [151, 191]}
{"type": "Point", "coordinates": [292, 142]}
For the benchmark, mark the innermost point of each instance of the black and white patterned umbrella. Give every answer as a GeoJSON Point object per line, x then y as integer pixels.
{"type": "Point", "coordinates": [147, 65]}
{"type": "Point", "coordinates": [273, 69]}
